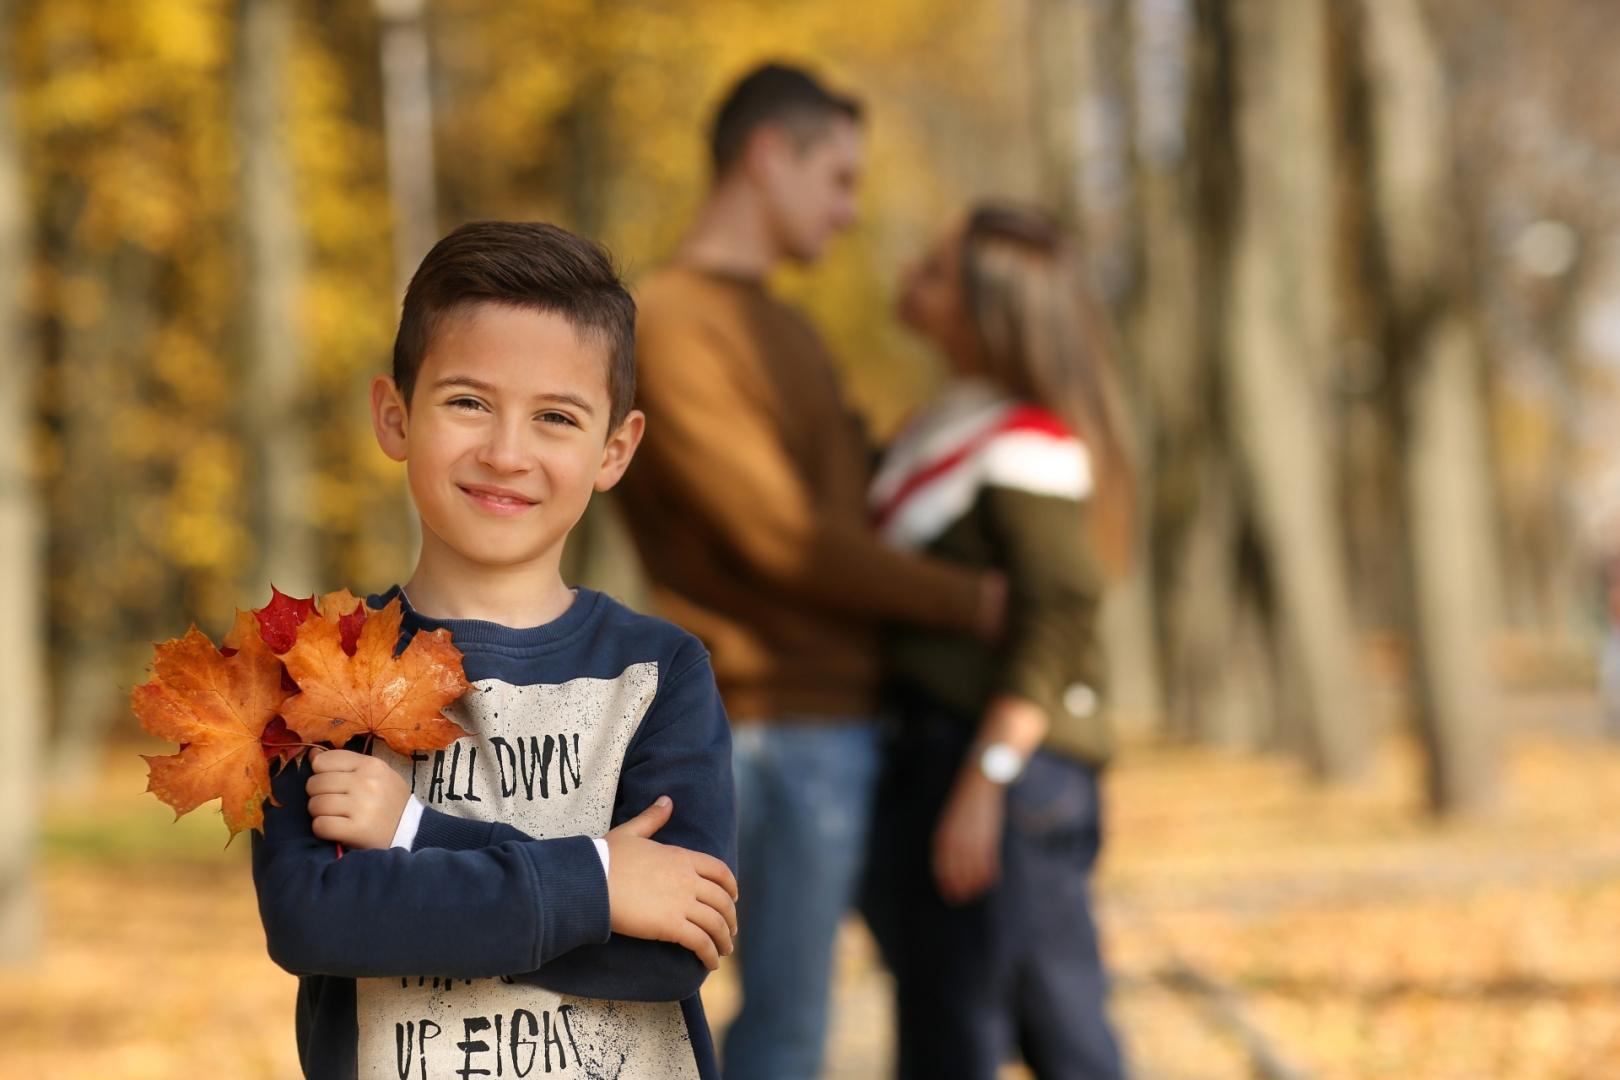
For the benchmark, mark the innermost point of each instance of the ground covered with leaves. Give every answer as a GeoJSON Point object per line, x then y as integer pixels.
{"type": "Point", "coordinates": [1258, 926]}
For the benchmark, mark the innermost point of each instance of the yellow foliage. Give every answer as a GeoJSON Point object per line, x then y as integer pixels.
{"type": "Point", "coordinates": [588, 112]}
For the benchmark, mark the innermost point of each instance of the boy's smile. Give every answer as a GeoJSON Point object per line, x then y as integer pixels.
{"type": "Point", "coordinates": [498, 500]}
{"type": "Point", "coordinates": [504, 440]}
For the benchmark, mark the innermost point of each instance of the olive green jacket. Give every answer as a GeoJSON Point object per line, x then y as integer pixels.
{"type": "Point", "coordinates": [1050, 653]}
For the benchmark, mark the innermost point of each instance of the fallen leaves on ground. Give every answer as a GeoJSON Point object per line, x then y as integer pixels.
{"type": "Point", "coordinates": [1356, 937]}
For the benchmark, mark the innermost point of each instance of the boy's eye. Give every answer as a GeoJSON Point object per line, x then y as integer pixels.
{"type": "Point", "coordinates": [556, 418]}
{"type": "Point", "coordinates": [465, 403]}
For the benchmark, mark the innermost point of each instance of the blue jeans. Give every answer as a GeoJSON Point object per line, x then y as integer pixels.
{"type": "Point", "coordinates": [1018, 968]}
{"type": "Point", "coordinates": [804, 797]}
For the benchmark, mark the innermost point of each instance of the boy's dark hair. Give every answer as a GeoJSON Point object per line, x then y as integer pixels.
{"type": "Point", "coordinates": [775, 94]}
{"type": "Point", "coordinates": [522, 264]}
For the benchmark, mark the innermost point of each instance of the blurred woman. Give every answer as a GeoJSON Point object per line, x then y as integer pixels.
{"type": "Point", "coordinates": [988, 819]}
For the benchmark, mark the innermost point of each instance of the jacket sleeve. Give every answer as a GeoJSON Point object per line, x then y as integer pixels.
{"type": "Point", "coordinates": [1054, 593]}
{"type": "Point", "coordinates": [683, 750]}
{"type": "Point", "coordinates": [468, 914]}
{"type": "Point", "coordinates": [712, 440]}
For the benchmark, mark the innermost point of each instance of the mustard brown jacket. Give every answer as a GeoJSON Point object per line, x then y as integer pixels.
{"type": "Point", "coordinates": [747, 501]}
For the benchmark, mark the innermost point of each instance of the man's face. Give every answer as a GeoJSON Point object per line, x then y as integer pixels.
{"type": "Point", "coordinates": [810, 188]}
{"type": "Point", "coordinates": [506, 435]}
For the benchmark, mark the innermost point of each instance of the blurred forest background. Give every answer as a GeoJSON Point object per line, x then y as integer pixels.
{"type": "Point", "coordinates": [1364, 257]}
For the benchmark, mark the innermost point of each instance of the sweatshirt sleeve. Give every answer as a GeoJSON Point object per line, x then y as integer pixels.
{"type": "Point", "coordinates": [1054, 592]}
{"type": "Point", "coordinates": [622, 968]}
{"type": "Point", "coordinates": [683, 750]}
{"type": "Point", "coordinates": [712, 439]}
{"type": "Point", "coordinates": [478, 913]}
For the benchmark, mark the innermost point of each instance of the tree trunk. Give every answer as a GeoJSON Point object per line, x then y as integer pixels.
{"type": "Point", "coordinates": [412, 180]}
{"type": "Point", "coordinates": [106, 324]}
{"type": "Point", "coordinates": [1278, 338]}
{"type": "Point", "coordinates": [275, 386]}
{"type": "Point", "coordinates": [22, 565]}
{"type": "Point", "coordinates": [1449, 518]}
{"type": "Point", "coordinates": [1446, 456]}
{"type": "Point", "coordinates": [408, 128]}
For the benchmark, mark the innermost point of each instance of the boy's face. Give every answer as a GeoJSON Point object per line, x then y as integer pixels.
{"type": "Point", "coordinates": [506, 435]}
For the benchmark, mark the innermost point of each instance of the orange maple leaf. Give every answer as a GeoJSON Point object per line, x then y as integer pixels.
{"type": "Point", "coordinates": [216, 705]}
{"type": "Point", "coordinates": [370, 691]}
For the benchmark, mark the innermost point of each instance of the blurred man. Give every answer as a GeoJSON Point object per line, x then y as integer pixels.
{"type": "Point", "coordinates": [748, 504]}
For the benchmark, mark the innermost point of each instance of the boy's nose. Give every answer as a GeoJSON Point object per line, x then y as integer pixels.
{"type": "Point", "coordinates": [505, 451]}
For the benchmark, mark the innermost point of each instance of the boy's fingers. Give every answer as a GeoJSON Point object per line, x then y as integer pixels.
{"type": "Point", "coordinates": [708, 920]}
{"type": "Point", "coordinates": [650, 820]}
{"type": "Point", "coordinates": [327, 783]}
{"type": "Point", "coordinates": [692, 937]}
{"type": "Point", "coordinates": [328, 827]}
{"type": "Point", "coordinates": [327, 806]}
{"type": "Point", "coordinates": [715, 897]}
{"type": "Point", "coordinates": [336, 761]}
{"type": "Point", "coordinates": [716, 871]}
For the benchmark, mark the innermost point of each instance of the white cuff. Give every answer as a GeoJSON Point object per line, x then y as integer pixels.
{"type": "Point", "coordinates": [409, 821]}
{"type": "Point", "coordinates": [602, 853]}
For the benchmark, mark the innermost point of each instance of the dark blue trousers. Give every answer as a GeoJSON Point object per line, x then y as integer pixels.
{"type": "Point", "coordinates": [1017, 970]}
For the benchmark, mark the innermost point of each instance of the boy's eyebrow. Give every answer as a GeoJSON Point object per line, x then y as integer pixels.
{"type": "Point", "coordinates": [478, 384]}
{"type": "Point", "coordinates": [464, 380]}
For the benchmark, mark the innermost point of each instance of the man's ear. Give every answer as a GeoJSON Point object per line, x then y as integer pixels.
{"type": "Point", "coordinates": [389, 416]}
{"type": "Point", "coordinates": [620, 448]}
{"type": "Point", "coordinates": [769, 148]}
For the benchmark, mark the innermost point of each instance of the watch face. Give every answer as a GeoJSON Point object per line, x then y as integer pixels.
{"type": "Point", "coordinates": [1080, 700]}
{"type": "Point", "coordinates": [1000, 763]}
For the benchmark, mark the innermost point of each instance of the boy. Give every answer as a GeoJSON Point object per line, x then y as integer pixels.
{"type": "Point", "coordinates": [479, 922]}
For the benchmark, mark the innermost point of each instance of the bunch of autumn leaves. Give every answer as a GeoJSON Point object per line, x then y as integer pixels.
{"type": "Point", "coordinates": [289, 676]}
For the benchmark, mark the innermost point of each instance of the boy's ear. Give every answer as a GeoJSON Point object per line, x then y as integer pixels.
{"type": "Point", "coordinates": [389, 417]}
{"type": "Point", "coordinates": [620, 448]}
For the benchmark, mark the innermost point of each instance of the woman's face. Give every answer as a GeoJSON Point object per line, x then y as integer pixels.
{"type": "Point", "coordinates": [933, 304]}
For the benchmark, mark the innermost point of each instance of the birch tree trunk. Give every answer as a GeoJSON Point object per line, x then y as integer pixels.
{"type": "Point", "coordinates": [408, 128]}
{"type": "Point", "coordinates": [274, 405]}
{"type": "Point", "coordinates": [1449, 519]}
{"type": "Point", "coordinates": [1279, 336]}
{"type": "Point", "coordinates": [412, 182]}
{"type": "Point", "coordinates": [22, 564]}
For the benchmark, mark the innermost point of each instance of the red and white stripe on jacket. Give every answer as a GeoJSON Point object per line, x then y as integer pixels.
{"type": "Point", "coordinates": [972, 437]}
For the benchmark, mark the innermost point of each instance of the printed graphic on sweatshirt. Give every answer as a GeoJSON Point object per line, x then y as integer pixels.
{"type": "Point", "coordinates": [439, 1029]}
{"type": "Point", "coordinates": [546, 760]}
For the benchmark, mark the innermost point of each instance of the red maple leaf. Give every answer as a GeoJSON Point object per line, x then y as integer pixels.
{"type": "Point", "coordinates": [280, 619]}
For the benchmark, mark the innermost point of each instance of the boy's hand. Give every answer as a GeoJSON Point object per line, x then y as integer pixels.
{"type": "Point", "coordinates": [355, 800]}
{"type": "Point", "coordinates": [666, 893]}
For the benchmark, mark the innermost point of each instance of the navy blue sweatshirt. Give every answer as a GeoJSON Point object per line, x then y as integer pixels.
{"type": "Point", "coordinates": [485, 950]}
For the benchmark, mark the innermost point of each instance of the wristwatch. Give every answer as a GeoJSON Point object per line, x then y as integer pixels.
{"type": "Point", "coordinates": [1000, 763]}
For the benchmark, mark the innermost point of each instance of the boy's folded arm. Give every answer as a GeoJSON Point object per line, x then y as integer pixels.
{"type": "Point", "coordinates": [619, 968]}
{"type": "Point", "coordinates": [467, 914]}
{"type": "Point", "coordinates": [683, 750]}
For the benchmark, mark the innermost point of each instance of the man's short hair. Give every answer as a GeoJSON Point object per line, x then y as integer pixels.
{"type": "Point", "coordinates": [521, 264]}
{"type": "Point", "coordinates": [775, 94]}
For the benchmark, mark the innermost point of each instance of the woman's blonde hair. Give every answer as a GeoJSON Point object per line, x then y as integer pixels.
{"type": "Point", "coordinates": [1047, 339]}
